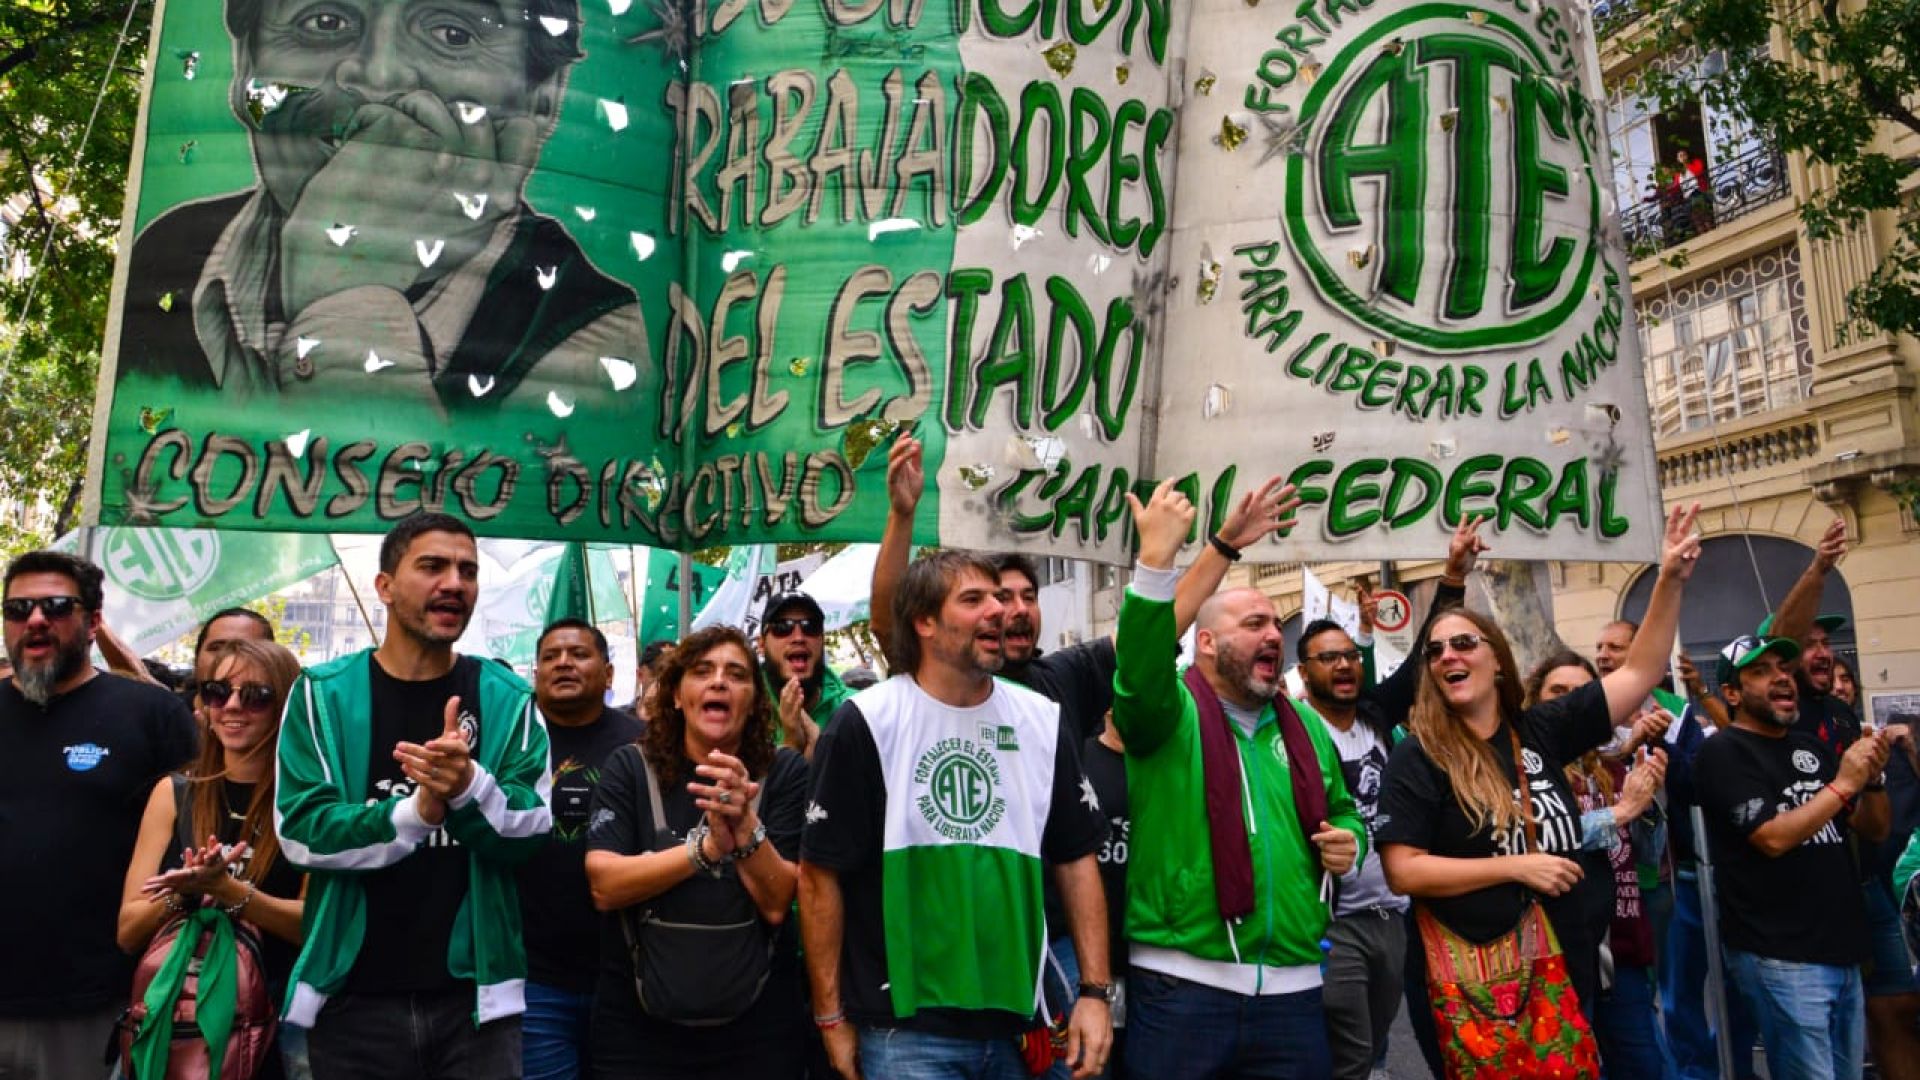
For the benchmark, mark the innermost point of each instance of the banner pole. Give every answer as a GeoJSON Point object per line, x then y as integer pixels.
{"type": "Point", "coordinates": [685, 594]}
{"type": "Point", "coordinates": [1716, 969]}
{"type": "Point", "coordinates": [633, 596]}
{"type": "Point", "coordinates": [586, 578]}
{"type": "Point", "coordinates": [353, 590]}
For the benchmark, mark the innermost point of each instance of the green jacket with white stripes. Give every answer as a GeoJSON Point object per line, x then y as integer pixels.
{"type": "Point", "coordinates": [329, 827]}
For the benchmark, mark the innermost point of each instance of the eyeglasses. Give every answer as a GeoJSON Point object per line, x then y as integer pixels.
{"type": "Point", "coordinates": [782, 627]}
{"type": "Point", "coordinates": [254, 697]}
{"type": "Point", "coordinates": [1460, 643]}
{"type": "Point", "coordinates": [20, 608]}
{"type": "Point", "coordinates": [1332, 657]}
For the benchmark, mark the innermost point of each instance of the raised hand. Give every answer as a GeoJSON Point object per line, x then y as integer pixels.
{"type": "Point", "coordinates": [441, 769]}
{"type": "Point", "coordinates": [906, 475]}
{"type": "Point", "coordinates": [200, 871]}
{"type": "Point", "coordinates": [1465, 547]}
{"type": "Point", "coordinates": [1162, 524]}
{"type": "Point", "coordinates": [1681, 549]}
{"type": "Point", "coordinates": [1649, 772]}
{"type": "Point", "coordinates": [1650, 727]}
{"type": "Point", "coordinates": [1368, 605]}
{"type": "Point", "coordinates": [725, 794]}
{"type": "Point", "coordinates": [1266, 509]}
{"type": "Point", "coordinates": [1833, 546]}
{"type": "Point", "coordinates": [795, 724]}
{"type": "Point", "coordinates": [1863, 761]}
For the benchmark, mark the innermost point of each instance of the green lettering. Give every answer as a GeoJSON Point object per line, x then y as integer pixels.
{"type": "Point", "coordinates": [1462, 486]}
{"type": "Point", "coordinates": [1351, 488]}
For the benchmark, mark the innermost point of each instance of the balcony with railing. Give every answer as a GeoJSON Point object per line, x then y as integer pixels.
{"type": "Point", "coordinates": [1612, 16]}
{"type": "Point", "coordinates": [1683, 206]}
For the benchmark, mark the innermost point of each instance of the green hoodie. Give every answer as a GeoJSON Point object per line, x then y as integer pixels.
{"type": "Point", "coordinates": [328, 827]}
{"type": "Point", "coordinates": [1173, 918]}
{"type": "Point", "coordinates": [832, 693]}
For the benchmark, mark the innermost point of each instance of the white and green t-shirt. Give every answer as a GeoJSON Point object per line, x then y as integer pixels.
{"type": "Point", "coordinates": [940, 821]}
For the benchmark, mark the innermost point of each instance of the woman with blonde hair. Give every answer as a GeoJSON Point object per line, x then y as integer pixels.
{"type": "Point", "coordinates": [226, 796]}
{"type": "Point", "coordinates": [1494, 874]}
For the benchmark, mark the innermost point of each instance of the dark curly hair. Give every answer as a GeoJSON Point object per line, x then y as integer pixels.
{"type": "Point", "coordinates": [665, 740]}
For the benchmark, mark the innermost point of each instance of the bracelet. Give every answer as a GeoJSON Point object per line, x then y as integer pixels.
{"type": "Point", "coordinates": [742, 854]}
{"type": "Point", "coordinates": [1227, 551]}
{"type": "Point", "coordinates": [1845, 800]}
{"type": "Point", "coordinates": [696, 841]}
{"type": "Point", "coordinates": [172, 902]}
{"type": "Point", "coordinates": [233, 910]}
{"type": "Point", "coordinates": [831, 1020]}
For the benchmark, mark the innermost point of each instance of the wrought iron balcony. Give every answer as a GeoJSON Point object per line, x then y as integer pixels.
{"type": "Point", "coordinates": [1613, 16]}
{"type": "Point", "coordinates": [1680, 208]}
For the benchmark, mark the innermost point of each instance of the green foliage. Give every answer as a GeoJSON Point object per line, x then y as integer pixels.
{"type": "Point", "coordinates": [54, 55]}
{"type": "Point", "coordinates": [1848, 78]}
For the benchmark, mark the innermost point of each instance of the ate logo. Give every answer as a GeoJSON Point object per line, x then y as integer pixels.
{"type": "Point", "coordinates": [1446, 196]}
{"type": "Point", "coordinates": [160, 564]}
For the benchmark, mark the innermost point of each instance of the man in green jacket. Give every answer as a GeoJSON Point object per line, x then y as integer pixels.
{"type": "Point", "coordinates": [1241, 825]}
{"type": "Point", "coordinates": [410, 783]}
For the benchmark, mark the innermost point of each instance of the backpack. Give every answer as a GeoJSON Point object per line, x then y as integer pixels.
{"type": "Point", "coordinates": [166, 1010]}
{"type": "Point", "coordinates": [689, 972]}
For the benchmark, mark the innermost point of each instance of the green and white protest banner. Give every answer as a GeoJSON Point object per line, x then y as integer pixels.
{"type": "Point", "coordinates": [673, 274]}
{"type": "Point", "coordinates": [518, 584]}
{"type": "Point", "coordinates": [1406, 280]}
{"type": "Point", "coordinates": [163, 583]}
{"type": "Point", "coordinates": [658, 588]}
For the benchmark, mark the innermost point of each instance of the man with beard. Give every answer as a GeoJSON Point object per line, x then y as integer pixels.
{"type": "Point", "coordinates": [1368, 939]}
{"type": "Point", "coordinates": [572, 671]}
{"type": "Point", "coordinates": [1893, 995]}
{"type": "Point", "coordinates": [793, 654]}
{"type": "Point", "coordinates": [940, 797]}
{"type": "Point", "coordinates": [77, 752]}
{"type": "Point", "coordinates": [1235, 792]}
{"type": "Point", "coordinates": [393, 143]}
{"type": "Point", "coordinates": [412, 782]}
{"type": "Point", "coordinates": [1780, 806]}
{"type": "Point", "coordinates": [1080, 677]}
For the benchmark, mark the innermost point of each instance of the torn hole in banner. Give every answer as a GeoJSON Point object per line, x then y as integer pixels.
{"type": "Point", "coordinates": [189, 63]}
{"type": "Point", "coordinates": [614, 111]}
{"type": "Point", "coordinates": [479, 387]}
{"type": "Point", "coordinates": [375, 363]}
{"type": "Point", "coordinates": [152, 418]}
{"type": "Point", "coordinates": [643, 245]}
{"type": "Point", "coordinates": [558, 405]}
{"type": "Point", "coordinates": [1216, 402]}
{"type": "Point", "coordinates": [1035, 451]}
{"type": "Point", "coordinates": [297, 443]}
{"type": "Point", "coordinates": [1322, 441]}
{"type": "Point", "coordinates": [1443, 448]}
{"type": "Point", "coordinates": [1060, 58]}
{"type": "Point", "coordinates": [865, 435]}
{"type": "Point", "coordinates": [545, 276]}
{"type": "Point", "coordinates": [622, 372]}
{"type": "Point", "coordinates": [975, 477]}
{"type": "Point", "coordinates": [798, 366]}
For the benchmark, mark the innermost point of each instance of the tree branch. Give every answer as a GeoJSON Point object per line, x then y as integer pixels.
{"type": "Point", "coordinates": [26, 53]}
{"type": "Point", "coordinates": [1887, 104]}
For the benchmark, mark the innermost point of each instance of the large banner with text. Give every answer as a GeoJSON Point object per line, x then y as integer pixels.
{"type": "Point", "coordinates": [676, 272]}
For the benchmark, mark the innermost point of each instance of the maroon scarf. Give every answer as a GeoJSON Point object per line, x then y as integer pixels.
{"type": "Point", "coordinates": [1227, 825]}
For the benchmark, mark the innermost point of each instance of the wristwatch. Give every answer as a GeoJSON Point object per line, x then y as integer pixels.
{"type": "Point", "coordinates": [1107, 992]}
{"type": "Point", "coordinates": [745, 851]}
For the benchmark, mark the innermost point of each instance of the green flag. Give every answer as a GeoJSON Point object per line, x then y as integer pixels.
{"type": "Point", "coordinates": [571, 597]}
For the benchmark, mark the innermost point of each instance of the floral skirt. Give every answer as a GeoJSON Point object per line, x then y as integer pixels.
{"type": "Point", "coordinates": [1506, 1008]}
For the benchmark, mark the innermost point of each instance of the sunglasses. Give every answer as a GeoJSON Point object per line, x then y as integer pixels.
{"type": "Point", "coordinates": [1332, 656]}
{"type": "Point", "coordinates": [783, 627]}
{"type": "Point", "coordinates": [1460, 643]}
{"type": "Point", "coordinates": [20, 608]}
{"type": "Point", "coordinates": [254, 697]}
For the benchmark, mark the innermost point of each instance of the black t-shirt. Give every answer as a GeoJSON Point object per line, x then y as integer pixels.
{"type": "Point", "coordinates": [846, 823]}
{"type": "Point", "coordinates": [1079, 678]}
{"type": "Point", "coordinates": [622, 822]}
{"type": "Point", "coordinates": [1825, 717]}
{"type": "Point", "coordinates": [1107, 769]}
{"type": "Point", "coordinates": [283, 880]}
{"type": "Point", "coordinates": [1804, 906]}
{"type": "Point", "coordinates": [411, 905]}
{"type": "Point", "coordinates": [1418, 808]}
{"type": "Point", "coordinates": [74, 781]}
{"type": "Point", "coordinates": [560, 926]}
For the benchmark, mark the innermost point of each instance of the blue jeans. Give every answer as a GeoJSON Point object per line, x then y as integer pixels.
{"type": "Point", "coordinates": [898, 1054]}
{"type": "Point", "coordinates": [1062, 988]}
{"type": "Point", "coordinates": [1624, 1026]}
{"type": "Point", "coordinates": [1690, 1034]}
{"type": "Point", "coordinates": [553, 1033]}
{"type": "Point", "coordinates": [1181, 1030]}
{"type": "Point", "coordinates": [1891, 970]}
{"type": "Point", "coordinates": [1812, 1016]}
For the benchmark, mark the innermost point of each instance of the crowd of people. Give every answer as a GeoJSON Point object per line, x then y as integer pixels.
{"type": "Point", "coordinates": [1002, 861]}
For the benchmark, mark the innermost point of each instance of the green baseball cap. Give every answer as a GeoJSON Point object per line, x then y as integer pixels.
{"type": "Point", "coordinates": [1829, 623]}
{"type": "Point", "coordinates": [1744, 650]}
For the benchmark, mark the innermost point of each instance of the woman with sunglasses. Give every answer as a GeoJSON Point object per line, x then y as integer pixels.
{"type": "Point", "coordinates": [1453, 832]}
{"type": "Point", "coordinates": [692, 851]}
{"type": "Point", "coordinates": [226, 797]}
